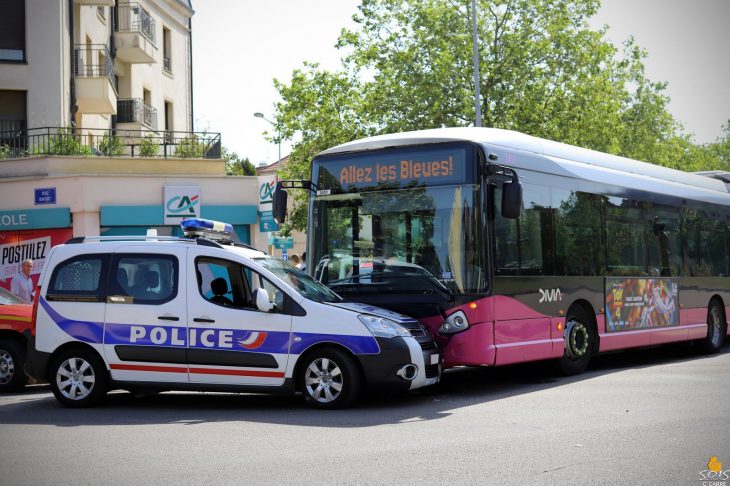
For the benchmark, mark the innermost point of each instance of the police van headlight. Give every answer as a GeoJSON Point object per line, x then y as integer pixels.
{"type": "Point", "coordinates": [456, 322]}
{"type": "Point", "coordinates": [382, 327]}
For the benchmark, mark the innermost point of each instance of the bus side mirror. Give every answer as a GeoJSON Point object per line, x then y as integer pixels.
{"type": "Point", "coordinates": [279, 204]}
{"type": "Point", "coordinates": [511, 199]}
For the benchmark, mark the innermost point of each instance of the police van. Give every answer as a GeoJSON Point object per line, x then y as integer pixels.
{"type": "Point", "coordinates": [202, 313]}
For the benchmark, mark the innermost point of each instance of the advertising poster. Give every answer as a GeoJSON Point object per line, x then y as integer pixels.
{"type": "Point", "coordinates": [16, 246]}
{"type": "Point", "coordinates": [641, 303]}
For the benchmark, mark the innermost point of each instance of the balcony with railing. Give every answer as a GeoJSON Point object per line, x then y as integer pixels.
{"type": "Point", "coordinates": [98, 3]}
{"type": "Point", "coordinates": [94, 79]}
{"type": "Point", "coordinates": [130, 143]}
{"type": "Point", "coordinates": [135, 33]}
{"type": "Point", "coordinates": [135, 115]}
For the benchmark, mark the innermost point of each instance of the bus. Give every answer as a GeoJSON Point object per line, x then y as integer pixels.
{"type": "Point", "coordinates": [510, 248]}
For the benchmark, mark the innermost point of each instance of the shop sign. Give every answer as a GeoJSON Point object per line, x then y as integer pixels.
{"type": "Point", "coordinates": [181, 202]}
{"type": "Point", "coordinates": [266, 222]}
{"type": "Point", "coordinates": [35, 219]}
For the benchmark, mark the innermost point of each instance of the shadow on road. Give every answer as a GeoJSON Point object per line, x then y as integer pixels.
{"type": "Point", "coordinates": [459, 388]}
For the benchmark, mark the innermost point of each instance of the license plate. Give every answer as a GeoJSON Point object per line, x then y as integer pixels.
{"type": "Point", "coordinates": [435, 359]}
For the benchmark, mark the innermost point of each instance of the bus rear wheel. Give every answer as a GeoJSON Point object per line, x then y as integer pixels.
{"type": "Point", "coordinates": [716, 329]}
{"type": "Point", "coordinates": [581, 339]}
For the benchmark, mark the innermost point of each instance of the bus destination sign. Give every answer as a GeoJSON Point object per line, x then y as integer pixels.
{"type": "Point", "coordinates": [394, 169]}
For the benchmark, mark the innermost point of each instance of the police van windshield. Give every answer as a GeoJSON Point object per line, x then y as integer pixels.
{"type": "Point", "coordinates": [300, 281]}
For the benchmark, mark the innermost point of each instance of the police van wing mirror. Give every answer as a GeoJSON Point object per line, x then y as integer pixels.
{"type": "Point", "coordinates": [511, 199]}
{"type": "Point", "coordinates": [279, 204]}
{"type": "Point", "coordinates": [262, 300]}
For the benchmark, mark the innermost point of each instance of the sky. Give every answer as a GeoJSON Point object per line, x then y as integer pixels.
{"type": "Point", "coordinates": [241, 46]}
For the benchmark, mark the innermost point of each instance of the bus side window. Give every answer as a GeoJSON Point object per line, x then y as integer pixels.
{"type": "Point", "coordinates": [525, 245]}
{"type": "Point", "coordinates": [664, 240]}
{"type": "Point", "coordinates": [625, 238]}
{"type": "Point", "coordinates": [579, 248]}
{"type": "Point", "coordinates": [691, 232]}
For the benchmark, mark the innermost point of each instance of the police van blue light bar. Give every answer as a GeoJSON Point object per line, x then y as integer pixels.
{"type": "Point", "coordinates": [214, 230]}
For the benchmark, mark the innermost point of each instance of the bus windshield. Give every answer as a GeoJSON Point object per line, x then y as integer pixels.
{"type": "Point", "coordinates": [401, 237]}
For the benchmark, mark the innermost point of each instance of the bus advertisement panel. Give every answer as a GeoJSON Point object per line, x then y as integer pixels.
{"type": "Point", "coordinates": [639, 303]}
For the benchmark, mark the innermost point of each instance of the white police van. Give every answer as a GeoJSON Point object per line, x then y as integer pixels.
{"type": "Point", "coordinates": [166, 313]}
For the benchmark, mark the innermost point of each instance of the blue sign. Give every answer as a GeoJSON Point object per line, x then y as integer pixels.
{"type": "Point", "coordinates": [284, 243]}
{"type": "Point", "coordinates": [266, 222]}
{"type": "Point", "coordinates": [45, 195]}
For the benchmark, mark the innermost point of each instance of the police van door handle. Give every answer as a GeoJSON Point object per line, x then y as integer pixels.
{"type": "Point", "coordinates": [202, 319]}
{"type": "Point", "coordinates": [169, 318]}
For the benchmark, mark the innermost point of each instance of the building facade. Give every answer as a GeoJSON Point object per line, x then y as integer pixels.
{"type": "Point", "coordinates": [96, 128]}
{"type": "Point", "coordinates": [96, 64]}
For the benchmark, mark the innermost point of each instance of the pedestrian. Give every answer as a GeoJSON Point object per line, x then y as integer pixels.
{"type": "Point", "coordinates": [303, 266]}
{"type": "Point", "coordinates": [22, 284]}
{"type": "Point", "coordinates": [295, 260]}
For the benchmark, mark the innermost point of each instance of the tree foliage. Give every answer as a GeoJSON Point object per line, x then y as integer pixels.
{"type": "Point", "coordinates": [544, 72]}
{"type": "Point", "coordinates": [235, 165]}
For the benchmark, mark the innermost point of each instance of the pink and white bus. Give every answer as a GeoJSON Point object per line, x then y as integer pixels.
{"type": "Point", "coordinates": [511, 248]}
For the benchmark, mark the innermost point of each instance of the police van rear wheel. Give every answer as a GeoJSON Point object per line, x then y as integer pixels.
{"type": "Point", "coordinates": [12, 362]}
{"type": "Point", "coordinates": [78, 378]}
{"type": "Point", "coordinates": [330, 379]}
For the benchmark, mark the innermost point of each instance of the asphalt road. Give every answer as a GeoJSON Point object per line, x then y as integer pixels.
{"type": "Point", "coordinates": [641, 417]}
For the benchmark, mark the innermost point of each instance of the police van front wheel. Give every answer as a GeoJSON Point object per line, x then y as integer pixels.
{"type": "Point", "coordinates": [78, 378]}
{"type": "Point", "coordinates": [329, 379]}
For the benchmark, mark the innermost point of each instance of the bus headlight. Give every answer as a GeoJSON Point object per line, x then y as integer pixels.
{"type": "Point", "coordinates": [382, 327]}
{"type": "Point", "coordinates": [456, 322]}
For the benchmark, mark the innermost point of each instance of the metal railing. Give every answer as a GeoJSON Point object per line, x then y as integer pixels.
{"type": "Point", "coordinates": [166, 64]}
{"type": "Point", "coordinates": [135, 111]}
{"type": "Point", "coordinates": [93, 61]}
{"type": "Point", "coordinates": [109, 143]}
{"type": "Point", "coordinates": [131, 17]}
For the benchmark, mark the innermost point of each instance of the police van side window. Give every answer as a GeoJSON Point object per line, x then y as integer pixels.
{"type": "Point", "coordinates": [79, 279]}
{"type": "Point", "coordinates": [221, 282]}
{"type": "Point", "coordinates": [257, 281]}
{"type": "Point", "coordinates": [144, 279]}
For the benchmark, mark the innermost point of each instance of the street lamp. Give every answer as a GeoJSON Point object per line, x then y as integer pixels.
{"type": "Point", "coordinates": [475, 47]}
{"type": "Point", "coordinates": [278, 137]}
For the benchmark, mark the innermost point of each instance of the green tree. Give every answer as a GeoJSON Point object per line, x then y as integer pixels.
{"type": "Point", "coordinates": [720, 150]}
{"type": "Point", "coordinates": [544, 72]}
{"type": "Point", "coordinates": [235, 165]}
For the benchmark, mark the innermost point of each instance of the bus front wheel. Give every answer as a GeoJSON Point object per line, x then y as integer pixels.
{"type": "Point", "coordinates": [580, 339]}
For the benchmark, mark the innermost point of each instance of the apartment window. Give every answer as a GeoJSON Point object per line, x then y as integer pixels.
{"type": "Point", "coordinates": [12, 31]}
{"type": "Point", "coordinates": [166, 50]}
{"type": "Point", "coordinates": [13, 112]}
{"type": "Point", "coordinates": [146, 97]}
{"type": "Point", "coordinates": [168, 121]}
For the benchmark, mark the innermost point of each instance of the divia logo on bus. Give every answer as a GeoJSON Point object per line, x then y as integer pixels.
{"type": "Point", "coordinates": [714, 475]}
{"type": "Point", "coordinates": [181, 202]}
{"type": "Point", "coordinates": [550, 295]}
